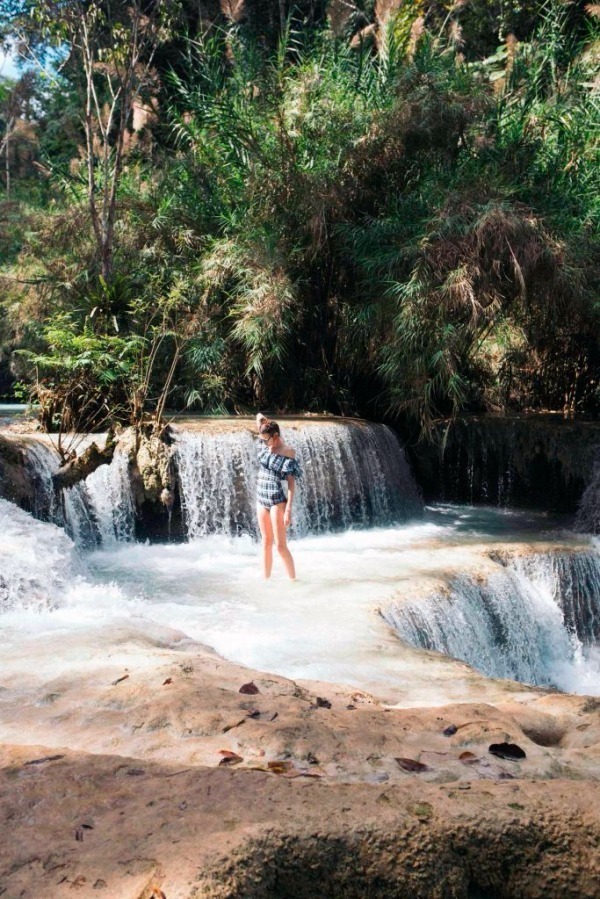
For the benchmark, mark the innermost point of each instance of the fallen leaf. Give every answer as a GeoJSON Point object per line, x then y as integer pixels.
{"type": "Point", "coordinates": [169, 680]}
{"type": "Point", "coordinates": [79, 835]}
{"type": "Point", "coordinates": [507, 751]}
{"type": "Point", "coordinates": [468, 758]}
{"type": "Point", "coordinates": [119, 679]}
{"type": "Point", "coordinates": [323, 703]}
{"type": "Point", "coordinates": [229, 727]}
{"type": "Point", "coordinates": [450, 730]}
{"type": "Point", "coordinates": [253, 713]}
{"type": "Point", "coordinates": [47, 758]}
{"type": "Point", "coordinates": [249, 688]}
{"type": "Point", "coordinates": [280, 766]}
{"type": "Point", "coordinates": [229, 757]}
{"type": "Point", "coordinates": [135, 772]}
{"type": "Point", "coordinates": [412, 765]}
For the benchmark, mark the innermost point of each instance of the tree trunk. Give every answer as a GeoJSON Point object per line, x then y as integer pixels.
{"type": "Point", "coordinates": [78, 469]}
{"type": "Point", "coordinates": [7, 151]}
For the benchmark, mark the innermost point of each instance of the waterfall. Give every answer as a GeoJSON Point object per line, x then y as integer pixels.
{"type": "Point", "coordinates": [528, 462]}
{"type": "Point", "coordinates": [353, 475]}
{"type": "Point", "coordinates": [571, 580]}
{"type": "Point", "coordinates": [97, 510]}
{"type": "Point", "coordinates": [533, 619]}
{"type": "Point", "coordinates": [37, 561]}
{"type": "Point", "coordinates": [108, 491]}
{"type": "Point", "coordinates": [588, 512]}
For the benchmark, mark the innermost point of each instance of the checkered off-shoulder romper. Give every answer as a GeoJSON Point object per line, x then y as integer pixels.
{"type": "Point", "coordinates": [272, 471]}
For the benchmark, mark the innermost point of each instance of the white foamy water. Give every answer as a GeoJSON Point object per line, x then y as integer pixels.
{"type": "Point", "coordinates": [353, 475]}
{"type": "Point", "coordinates": [326, 626]}
{"type": "Point", "coordinates": [99, 509]}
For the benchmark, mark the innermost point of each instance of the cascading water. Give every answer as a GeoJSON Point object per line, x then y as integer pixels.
{"type": "Point", "coordinates": [535, 618]}
{"type": "Point", "coordinates": [588, 513]}
{"type": "Point", "coordinates": [571, 580]}
{"type": "Point", "coordinates": [108, 491]}
{"type": "Point", "coordinates": [97, 510]}
{"type": "Point", "coordinates": [353, 475]}
{"type": "Point", "coordinates": [532, 616]}
{"type": "Point", "coordinates": [37, 561]}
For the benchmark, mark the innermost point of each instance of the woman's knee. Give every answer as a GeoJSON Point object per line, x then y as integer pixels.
{"type": "Point", "coordinates": [267, 540]}
{"type": "Point", "coordinates": [281, 546]}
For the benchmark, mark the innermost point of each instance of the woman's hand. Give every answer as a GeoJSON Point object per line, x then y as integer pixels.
{"type": "Point", "coordinates": [287, 516]}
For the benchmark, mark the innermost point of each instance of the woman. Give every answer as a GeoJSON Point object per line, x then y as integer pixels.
{"type": "Point", "coordinates": [277, 463]}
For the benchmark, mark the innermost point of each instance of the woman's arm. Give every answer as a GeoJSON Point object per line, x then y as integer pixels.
{"type": "Point", "coordinates": [287, 515]}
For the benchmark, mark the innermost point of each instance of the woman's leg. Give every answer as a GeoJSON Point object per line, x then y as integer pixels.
{"type": "Point", "coordinates": [266, 532]}
{"type": "Point", "coordinates": [280, 539]}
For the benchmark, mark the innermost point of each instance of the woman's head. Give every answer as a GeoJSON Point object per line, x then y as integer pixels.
{"type": "Point", "coordinates": [268, 430]}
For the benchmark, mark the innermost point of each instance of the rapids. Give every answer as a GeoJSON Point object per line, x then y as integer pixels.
{"type": "Point", "coordinates": [389, 599]}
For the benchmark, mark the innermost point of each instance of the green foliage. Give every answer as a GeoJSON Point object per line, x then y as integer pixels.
{"type": "Point", "coordinates": [80, 377]}
{"type": "Point", "coordinates": [405, 224]}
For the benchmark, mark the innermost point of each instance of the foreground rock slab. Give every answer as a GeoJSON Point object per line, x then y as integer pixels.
{"type": "Point", "coordinates": [95, 826]}
{"type": "Point", "coordinates": [154, 770]}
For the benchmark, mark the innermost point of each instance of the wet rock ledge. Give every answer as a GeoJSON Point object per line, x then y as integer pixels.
{"type": "Point", "coordinates": [529, 461]}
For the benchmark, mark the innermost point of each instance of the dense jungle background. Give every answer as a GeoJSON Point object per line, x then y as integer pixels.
{"type": "Point", "coordinates": [386, 208]}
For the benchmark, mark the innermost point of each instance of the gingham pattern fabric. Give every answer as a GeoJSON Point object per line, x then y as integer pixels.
{"type": "Point", "coordinates": [274, 469]}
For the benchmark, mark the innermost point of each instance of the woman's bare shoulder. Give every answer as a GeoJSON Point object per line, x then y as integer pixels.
{"type": "Point", "coordinates": [288, 451]}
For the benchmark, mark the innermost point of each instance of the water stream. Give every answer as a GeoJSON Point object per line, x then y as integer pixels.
{"type": "Point", "coordinates": [381, 585]}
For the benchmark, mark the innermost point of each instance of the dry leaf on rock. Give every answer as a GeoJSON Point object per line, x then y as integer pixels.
{"type": "Point", "coordinates": [46, 758]}
{"type": "Point", "coordinates": [412, 765]}
{"type": "Point", "coordinates": [229, 727]}
{"type": "Point", "coordinates": [280, 766]}
{"type": "Point", "coordinates": [507, 751]}
{"type": "Point", "coordinates": [468, 758]}
{"type": "Point", "coordinates": [249, 688]}
{"type": "Point", "coordinates": [229, 757]}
